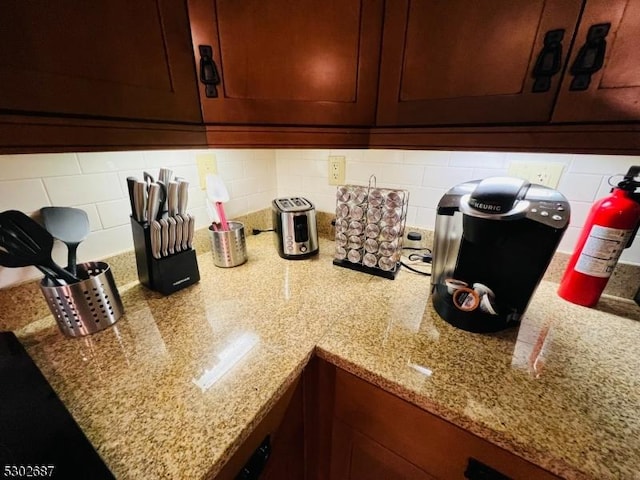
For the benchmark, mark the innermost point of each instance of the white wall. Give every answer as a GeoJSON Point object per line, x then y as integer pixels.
{"type": "Point", "coordinates": [429, 174]}
{"type": "Point", "coordinates": [96, 183]}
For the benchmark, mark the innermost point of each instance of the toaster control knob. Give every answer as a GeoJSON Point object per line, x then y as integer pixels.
{"type": "Point", "coordinates": [303, 248]}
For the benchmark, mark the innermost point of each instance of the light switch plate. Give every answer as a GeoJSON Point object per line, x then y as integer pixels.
{"type": "Point", "coordinates": [207, 164]}
{"type": "Point", "coordinates": [542, 173]}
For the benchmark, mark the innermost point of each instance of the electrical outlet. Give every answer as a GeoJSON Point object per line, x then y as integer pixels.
{"type": "Point", "coordinates": [207, 164]}
{"type": "Point", "coordinates": [542, 173]}
{"type": "Point", "coordinates": [337, 170]}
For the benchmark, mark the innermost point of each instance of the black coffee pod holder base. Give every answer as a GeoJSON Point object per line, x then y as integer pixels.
{"type": "Point", "coordinates": [165, 275]}
{"type": "Point", "coordinates": [358, 267]}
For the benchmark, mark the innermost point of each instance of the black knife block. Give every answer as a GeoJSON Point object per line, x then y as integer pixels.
{"type": "Point", "coordinates": [165, 275]}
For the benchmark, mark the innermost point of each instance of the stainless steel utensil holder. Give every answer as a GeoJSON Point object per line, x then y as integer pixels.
{"type": "Point", "coordinates": [165, 275]}
{"type": "Point", "coordinates": [370, 223]}
{"type": "Point", "coordinates": [229, 247]}
{"type": "Point", "coordinates": [87, 306]}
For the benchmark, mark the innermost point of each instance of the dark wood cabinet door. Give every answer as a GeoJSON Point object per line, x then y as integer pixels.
{"type": "Point", "coordinates": [613, 92]}
{"type": "Point", "coordinates": [290, 62]}
{"type": "Point", "coordinates": [447, 62]}
{"type": "Point", "coordinates": [356, 457]}
{"type": "Point", "coordinates": [105, 58]}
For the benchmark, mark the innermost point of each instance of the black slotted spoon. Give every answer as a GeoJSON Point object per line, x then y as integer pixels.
{"type": "Point", "coordinates": [70, 226]}
{"type": "Point", "coordinates": [24, 242]}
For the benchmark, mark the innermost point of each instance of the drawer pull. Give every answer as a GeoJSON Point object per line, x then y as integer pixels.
{"type": "Point", "coordinates": [479, 471]}
{"type": "Point", "coordinates": [254, 467]}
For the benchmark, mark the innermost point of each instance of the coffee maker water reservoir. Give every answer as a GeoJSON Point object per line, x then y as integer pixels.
{"type": "Point", "coordinates": [494, 239]}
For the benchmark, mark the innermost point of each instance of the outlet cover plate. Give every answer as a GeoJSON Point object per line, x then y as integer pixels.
{"type": "Point", "coordinates": [542, 173]}
{"type": "Point", "coordinates": [337, 170]}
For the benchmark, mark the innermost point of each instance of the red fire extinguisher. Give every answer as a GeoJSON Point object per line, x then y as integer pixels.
{"type": "Point", "coordinates": [610, 228]}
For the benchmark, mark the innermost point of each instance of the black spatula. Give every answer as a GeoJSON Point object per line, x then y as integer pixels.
{"type": "Point", "coordinates": [70, 226]}
{"type": "Point", "coordinates": [29, 244]}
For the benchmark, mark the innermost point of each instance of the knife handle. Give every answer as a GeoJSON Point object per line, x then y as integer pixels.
{"type": "Point", "coordinates": [155, 239]}
{"type": "Point", "coordinates": [138, 200]}
{"type": "Point", "coordinates": [172, 198]}
{"type": "Point", "coordinates": [186, 218]}
{"type": "Point", "coordinates": [164, 237]}
{"type": "Point", "coordinates": [192, 230]}
{"type": "Point", "coordinates": [131, 185]}
{"type": "Point", "coordinates": [153, 203]}
{"type": "Point", "coordinates": [183, 196]}
{"type": "Point", "coordinates": [172, 235]}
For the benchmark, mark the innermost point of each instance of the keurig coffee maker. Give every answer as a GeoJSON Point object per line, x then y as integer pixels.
{"type": "Point", "coordinates": [494, 239]}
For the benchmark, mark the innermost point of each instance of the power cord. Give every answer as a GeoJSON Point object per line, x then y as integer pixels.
{"type": "Point", "coordinates": [417, 259]}
{"type": "Point", "coordinates": [257, 231]}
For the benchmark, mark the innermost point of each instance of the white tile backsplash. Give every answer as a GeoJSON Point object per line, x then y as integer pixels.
{"type": "Point", "coordinates": [473, 159]}
{"type": "Point", "coordinates": [429, 174]}
{"type": "Point", "coordinates": [82, 189]}
{"type": "Point", "coordinates": [111, 212]}
{"type": "Point", "coordinates": [26, 195]}
{"type": "Point", "coordinates": [445, 177]}
{"type": "Point", "coordinates": [96, 182]}
{"type": "Point", "coordinates": [434, 157]}
{"type": "Point", "coordinates": [96, 162]}
{"type": "Point", "coordinates": [579, 187]}
{"type": "Point", "coordinates": [39, 165]}
{"type": "Point", "coordinates": [602, 164]}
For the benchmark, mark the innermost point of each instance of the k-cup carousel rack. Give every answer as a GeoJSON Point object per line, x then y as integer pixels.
{"type": "Point", "coordinates": [370, 223]}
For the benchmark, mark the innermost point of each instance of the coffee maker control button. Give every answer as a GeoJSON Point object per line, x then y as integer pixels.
{"type": "Point", "coordinates": [557, 217]}
{"type": "Point", "coordinates": [544, 213]}
{"type": "Point", "coordinates": [560, 208]}
{"type": "Point", "coordinates": [303, 248]}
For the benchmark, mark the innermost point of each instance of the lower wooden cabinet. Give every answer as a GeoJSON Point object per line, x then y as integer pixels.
{"type": "Point", "coordinates": [374, 434]}
{"type": "Point", "coordinates": [331, 425]}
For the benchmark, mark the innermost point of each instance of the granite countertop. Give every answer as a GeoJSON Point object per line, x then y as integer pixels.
{"type": "Point", "coordinates": [179, 382]}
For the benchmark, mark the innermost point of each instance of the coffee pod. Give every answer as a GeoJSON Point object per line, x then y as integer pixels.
{"type": "Point", "coordinates": [466, 299]}
{"type": "Point", "coordinates": [453, 285]}
{"type": "Point", "coordinates": [481, 290]}
{"type": "Point", "coordinates": [486, 305]}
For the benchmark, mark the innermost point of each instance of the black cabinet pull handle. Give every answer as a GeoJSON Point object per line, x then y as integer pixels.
{"type": "Point", "coordinates": [477, 470]}
{"type": "Point", "coordinates": [590, 57]}
{"type": "Point", "coordinates": [208, 71]}
{"type": "Point", "coordinates": [548, 62]}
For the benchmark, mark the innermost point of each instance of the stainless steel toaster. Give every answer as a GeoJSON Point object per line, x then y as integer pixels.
{"type": "Point", "coordinates": [294, 221]}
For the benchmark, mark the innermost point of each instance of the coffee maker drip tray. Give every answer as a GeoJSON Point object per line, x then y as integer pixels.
{"type": "Point", "coordinates": [471, 307]}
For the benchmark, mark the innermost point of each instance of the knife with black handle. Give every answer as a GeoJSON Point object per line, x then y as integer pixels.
{"type": "Point", "coordinates": [139, 196]}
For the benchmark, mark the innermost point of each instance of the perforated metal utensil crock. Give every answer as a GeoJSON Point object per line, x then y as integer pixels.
{"type": "Point", "coordinates": [229, 247]}
{"type": "Point", "coordinates": [87, 306]}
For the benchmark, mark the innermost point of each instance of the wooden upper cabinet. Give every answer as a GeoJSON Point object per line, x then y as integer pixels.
{"type": "Point", "coordinates": [290, 62]}
{"type": "Point", "coordinates": [106, 58]}
{"type": "Point", "coordinates": [456, 62]}
{"type": "Point", "coordinates": [609, 31]}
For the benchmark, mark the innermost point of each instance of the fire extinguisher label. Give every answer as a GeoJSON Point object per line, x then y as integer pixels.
{"type": "Point", "coordinates": [601, 251]}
